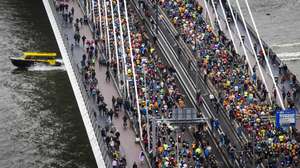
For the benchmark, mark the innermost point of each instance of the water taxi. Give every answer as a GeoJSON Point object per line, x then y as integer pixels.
{"type": "Point", "coordinates": [28, 59]}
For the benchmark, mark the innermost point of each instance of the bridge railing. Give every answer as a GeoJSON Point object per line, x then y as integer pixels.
{"type": "Point", "coordinates": [89, 102]}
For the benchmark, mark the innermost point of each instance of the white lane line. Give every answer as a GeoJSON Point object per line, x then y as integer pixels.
{"type": "Point", "coordinates": [83, 109]}
{"type": "Point", "coordinates": [289, 59]}
{"type": "Point", "coordinates": [286, 45]}
{"type": "Point", "coordinates": [289, 54]}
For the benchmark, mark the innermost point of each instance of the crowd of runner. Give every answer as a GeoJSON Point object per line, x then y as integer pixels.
{"type": "Point", "coordinates": [244, 96]}
{"type": "Point", "coordinates": [159, 94]}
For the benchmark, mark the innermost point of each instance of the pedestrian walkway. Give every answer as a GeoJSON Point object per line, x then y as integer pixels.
{"type": "Point", "coordinates": [127, 136]}
{"type": "Point", "coordinates": [128, 147]}
{"type": "Point", "coordinates": [128, 144]}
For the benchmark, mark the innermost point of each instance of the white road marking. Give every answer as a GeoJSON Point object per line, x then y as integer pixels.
{"type": "Point", "coordinates": [286, 45]}
{"type": "Point", "coordinates": [287, 54]}
{"type": "Point", "coordinates": [289, 59]}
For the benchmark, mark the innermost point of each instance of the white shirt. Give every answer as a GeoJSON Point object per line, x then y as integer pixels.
{"type": "Point", "coordinates": [114, 163]}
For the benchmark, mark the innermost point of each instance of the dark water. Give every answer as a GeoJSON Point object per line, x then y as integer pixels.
{"type": "Point", "coordinates": [40, 124]}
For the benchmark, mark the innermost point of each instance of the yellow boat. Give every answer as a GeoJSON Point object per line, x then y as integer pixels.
{"type": "Point", "coordinates": [30, 58]}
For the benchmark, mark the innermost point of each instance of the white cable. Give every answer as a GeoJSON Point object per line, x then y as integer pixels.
{"type": "Point", "coordinates": [115, 40]}
{"type": "Point", "coordinates": [210, 19]}
{"type": "Point", "coordinates": [100, 18]}
{"type": "Point", "coordinates": [87, 7]}
{"type": "Point", "coordinates": [107, 31]}
{"type": "Point", "coordinates": [264, 53]}
{"type": "Point", "coordinates": [93, 14]}
{"type": "Point", "coordinates": [90, 9]}
{"type": "Point", "coordinates": [123, 50]}
{"type": "Point", "coordinates": [229, 30]}
{"type": "Point", "coordinates": [217, 16]}
{"type": "Point", "coordinates": [124, 62]}
{"type": "Point", "coordinates": [253, 51]}
{"type": "Point", "coordinates": [240, 37]}
{"type": "Point", "coordinates": [133, 70]}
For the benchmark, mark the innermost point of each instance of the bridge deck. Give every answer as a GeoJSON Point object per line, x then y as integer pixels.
{"type": "Point", "coordinates": [127, 137]}
{"type": "Point", "coordinates": [128, 148]}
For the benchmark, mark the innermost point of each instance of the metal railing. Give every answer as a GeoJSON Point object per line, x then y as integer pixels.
{"type": "Point", "coordinates": [88, 100]}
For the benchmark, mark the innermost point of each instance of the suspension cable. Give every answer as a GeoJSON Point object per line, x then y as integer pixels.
{"type": "Point", "coordinates": [133, 70]}
{"type": "Point", "coordinates": [265, 56]}
{"type": "Point", "coordinates": [210, 19]}
{"type": "Point", "coordinates": [100, 18]}
{"type": "Point", "coordinates": [107, 31]}
{"type": "Point", "coordinates": [253, 50]}
{"type": "Point", "coordinates": [217, 16]}
{"type": "Point", "coordinates": [115, 40]}
{"type": "Point", "coordinates": [228, 26]}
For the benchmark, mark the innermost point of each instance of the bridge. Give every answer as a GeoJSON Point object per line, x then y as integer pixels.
{"type": "Point", "coordinates": [103, 22]}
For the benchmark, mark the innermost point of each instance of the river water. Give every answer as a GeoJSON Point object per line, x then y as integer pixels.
{"type": "Point", "coordinates": [40, 124]}
{"type": "Point", "coordinates": [278, 23]}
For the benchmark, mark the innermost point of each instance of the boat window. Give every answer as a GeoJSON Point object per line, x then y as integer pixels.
{"type": "Point", "coordinates": [40, 58]}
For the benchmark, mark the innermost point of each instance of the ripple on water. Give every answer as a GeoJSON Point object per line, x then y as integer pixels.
{"type": "Point", "coordinates": [40, 125]}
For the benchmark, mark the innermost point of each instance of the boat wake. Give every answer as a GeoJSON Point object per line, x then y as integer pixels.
{"type": "Point", "coordinates": [46, 68]}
